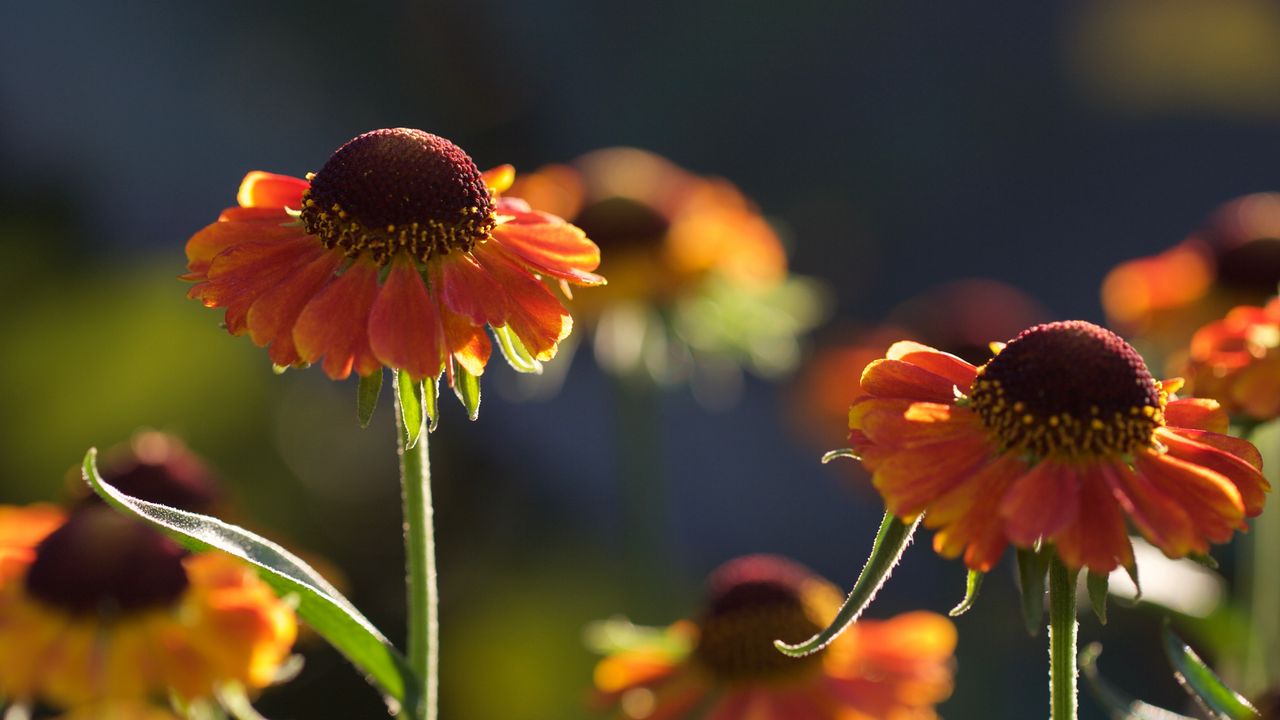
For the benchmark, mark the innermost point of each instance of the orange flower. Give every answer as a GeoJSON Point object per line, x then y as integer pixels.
{"type": "Point", "coordinates": [695, 271]}
{"type": "Point", "coordinates": [100, 614]}
{"type": "Point", "coordinates": [725, 666]}
{"type": "Point", "coordinates": [1058, 438]}
{"type": "Point", "coordinates": [1236, 361]}
{"type": "Point", "coordinates": [398, 252]}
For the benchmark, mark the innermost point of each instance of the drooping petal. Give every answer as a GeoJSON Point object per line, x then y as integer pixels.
{"type": "Point", "coordinates": [264, 189]}
{"type": "Point", "coordinates": [1242, 449]}
{"type": "Point", "coordinates": [1196, 413]}
{"type": "Point", "coordinates": [910, 481]}
{"type": "Point", "coordinates": [272, 316]}
{"type": "Point", "coordinates": [469, 345]}
{"type": "Point", "coordinates": [1041, 503]}
{"type": "Point", "coordinates": [534, 314]}
{"type": "Point", "coordinates": [551, 247]}
{"type": "Point", "coordinates": [949, 366]}
{"type": "Point", "coordinates": [209, 242]}
{"type": "Point", "coordinates": [901, 379]}
{"type": "Point", "coordinates": [1209, 499]}
{"type": "Point", "coordinates": [1257, 388]}
{"type": "Point", "coordinates": [335, 324]}
{"type": "Point", "coordinates": [404, 326]}
{"type": "Point", "coordinates": [242, 273]}
{"type": "Point", "coordinates": [469, 290]}
{"type": "Point", "coordinates": [966, 515]}
{"type": "Point", "coordinates": [885, 423]}
{"type": "Point", "coordinates": [1159, 517]}
{"type": "Point", "coordinates": [1096, 538]}
{"type": "Point", "coordinates": [1248, 479]}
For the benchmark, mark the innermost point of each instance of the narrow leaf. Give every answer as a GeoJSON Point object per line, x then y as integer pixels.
{"type": "Point", "coordinates": [367, 396]}
{"type": "Point", "coordinates": [892, 539]}
{"type": "Point", "coordinates": [467, 387]}
{"type": "Point", "coordinates": [840, 453]}
{"type": "Point", "coordinates": [971, 587]}
{"type": "Point", "coordinates": [1205, 560]}
{"type": "Point", "coordinates": [1032, 566]}
{"type": "Point", "coordinates": [1202, 683]}
{"type": "Point", "coordinates": [319, 604]}
{"type": "Point", "coordinates": [514, 351]}
{"type": "Point", "coordinates": [1118, 705]}
{"type": "Point", "coordinates": [431, 399]}
{"type": "Point", "coordinates": [1098, 586]}
{"type": "Point", "coordinates": [409, 397]}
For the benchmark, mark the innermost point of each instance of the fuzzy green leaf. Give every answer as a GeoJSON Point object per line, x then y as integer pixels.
{"type": "Point", "coordinates": [409, 394]}
{"type": "Point", "coordinates": [891, 540]}
{"type": "Point", "coordinates": [367, 396]}
{"type": "Point", "coordinates": [518, 357]}
{"type": "Point", "coordinates": [1032, 566]}
{"type": "Point", "coordinates": [1118, 705]}
{"type": "Point", "coordinates": [971, 587]}
{"type": "Point", "coordinates": [1202, 683]}
{"type": "Point", "coordinates": [431, 399]}
{"type": "Point", "coordinates": [319, 604]}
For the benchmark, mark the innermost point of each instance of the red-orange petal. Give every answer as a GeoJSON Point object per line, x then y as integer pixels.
{"type": "Point", "coordinates": [499, 179]}
{"type": "Point", "coordinates": [534, 314]}
{"type": "Point", "coordinates": [1196, 413]}
{"type": "Point", "coordinates": [1248, 480]}
{"type": "Point", "coordinates": [1041, 503]}
{"type": "Point", "coordinates": [335, 324]}
{"type": "Point", "coordinates": [242, 273]}
{"type": "Point", "coordinates": [469, 290]}
{"type": "Point", "coordinates": [901, 379]}
{"type": "Point", "coordinates": [1096, 539]}
{"type": "Point", "coordinates": [404, 326]}
{"type": "Point", "coordinates": [210, 241]}
{"type": "Point", "coordinates": [1159, 517]}
{"type": "Point", "coordinates": [949, 366]}
{"type": "Point", "coordinates": [264, 189]}
{"type": "Point", "coordinates": [550, 246]}
{"type": "Point", "coordinates": [910, 480]}
{"type": "Point", "coordinates": [1242, 449]}
{"type": "Point", "coordinates": [469, 345]}
{"type": "Point", "coordinates": [273, 314]}
{"type": "Point", "coordinates": [1209, 499]}
{"type": "Point", "coordinates": [966, 515]}
{"type": "Point", "coordinates": [884, 423]}
{"type": "Point", "coordinates": [259, 215]}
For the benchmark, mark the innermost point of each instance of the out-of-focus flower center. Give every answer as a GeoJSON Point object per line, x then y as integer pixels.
{"type": "Point", "coordinates": [102, 561]}
{"type": "Point", "coordinates": [619, 224]}
{"type": "Point", "coordinates": [399, 189]}
{"type": "Point", "coordinates": [1069, 388]}
{"type": "Point", "coordinates": [755, 601]}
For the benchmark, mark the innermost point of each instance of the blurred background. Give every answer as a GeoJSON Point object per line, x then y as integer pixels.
{"type": "Point", "coordinates": [895, 147]}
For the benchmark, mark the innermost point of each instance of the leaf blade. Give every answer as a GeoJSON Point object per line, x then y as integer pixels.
{"type": "Point", "coordinates": [320, 604]}
{"type": "Point", "coordinates": [367, 396]}
{"type": "Point", "coordinates": [409, 393]}
{"type": "Point", "coordinates": [1032, 567]}
{"type": "Point", "coordinates": [1202, 683]}
{"type": "Point", "coordinates": [973, 583]}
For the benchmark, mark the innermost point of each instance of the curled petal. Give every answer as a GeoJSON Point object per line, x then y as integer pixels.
{"type": "Point", "coordinates": [242, 273]}
{"type": "Point", "coordinates": [1196, 413]}
{"type": "Point", "coordinates": [898, 378]}
{"type": "Point", "coordinates": [469, 290]}
{"type": "Point", "coordinates": [1242, 449]}
{"type": "Point", "coordinates": [883, 422]}
{"type": "Point", "coordinates": [937, 362]}
{"type": "Point", "coordinates": [533, 313]}
{"type": "Point", "coordinates": [1248, 479]}
{"type": "Point", "coordinates": [499, 179]}
{"type": "Point", "coordinates": [404, 326]}
{"type": "Point", "coordinates": [335, 324]}
{"type": "Point", "coordinates": [1211, 501]}
{"type": "Point", "coordinates": [1159, 517]}
{"type": "Point", "coordinates": [551, 247]}
{"type": "Point", "coordinates": [263, 189]}
{"type": "Point", "coordinates": [469, 345]}
{"type": "Point", "coordinates": [207, 244]}
{"type": "Point", "coordinates": [911, 481]}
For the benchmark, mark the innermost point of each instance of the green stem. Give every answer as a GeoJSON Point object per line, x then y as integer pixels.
{"type": "Point", "coordinates": [420, 559]}
{"type": "Point", "coordinates": [1261, 587]}
{"type": "Point", "coordinates": [1062, 640]}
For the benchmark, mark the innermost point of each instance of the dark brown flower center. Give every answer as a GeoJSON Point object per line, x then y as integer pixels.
{"type": "Point", "coordinates": [1068, 388]}
{"type": "Point", "coordinates": [754, 601]}
{"type": "Point", "coordinates": [399, 189]}
{"type": "Point", "coordinates": [100, 561]}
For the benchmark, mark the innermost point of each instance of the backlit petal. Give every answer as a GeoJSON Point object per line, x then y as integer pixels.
{"type": "Point", "coordinates": [1196, 413]}
{"type": "Point", "coordinates": [949, 366]}
{"type": "Point", "coordinates": [263, 189]}
{"type": "Point", "coordinates": [909, 481]}
{"type": "Point", "coordinates": [1096, 539]}
{"type": "Point", "coordinates": [898, 378]}
{"type": "Point", "coordinates": [1041, 503]}
{"type": "Point", "coordinates": [242, 273]}
{"type": "Point", "coordinates": [551, 247]}
{"type": "Point", "coordinates": [272, 316]}
{"type": "Point", "coordinates": [1159, 517]}
{"type": "Point", "coordinates": [1209, 499]}
{"type": "Point", "coordinates": [404, 326]}
{"type": "Point", "coordinates": [335, 324]}
{"type": "Point", "coordinates": [534, 314]}
{"type": "Point", "coordinates": [1248, 480]}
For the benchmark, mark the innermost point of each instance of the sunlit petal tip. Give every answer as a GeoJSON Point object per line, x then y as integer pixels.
{"type": "Point", "coordinates": [264, 189]}
{"type": "Point", "coordinates": [500, 178]}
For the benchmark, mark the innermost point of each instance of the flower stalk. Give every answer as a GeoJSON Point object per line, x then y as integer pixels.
{"type": "Point", "coordinates": [1062, 640]}
{"type": "Point", "coordinates": [420, 570]}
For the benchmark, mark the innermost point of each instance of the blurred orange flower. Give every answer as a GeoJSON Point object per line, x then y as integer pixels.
{"type": "Point", "coordinates": [398, 252]}
{"type": "Point", "coordinates": [694, 270]}
{"type": "Point", "coordinates": [1236, 361]}
{"type": "Point", "coordinates": [1056, 439]}
{"type": "Point", "coordinates": [724, 666]}
{"type": "Point", "coordinates": [100, 614]}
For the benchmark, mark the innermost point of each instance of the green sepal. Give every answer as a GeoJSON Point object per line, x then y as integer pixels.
{"type": "Point", "coordinates": [1205, 560]}
{"type": "Point", "coordinates": [518, 357]}
{"type": "Point", "coordinates": [971, 587]}
{"type": "Point", "coordinates": [409, 397]}
{"type": "Point", "coordinates": [367, 396]}
{"type": "Point", "coordinates": [891, 540]}
{"type": "Point", "coordinates": [319, 604]}
{"type": "Point", "coordinates": [1032, 567]}
{"type": "Point", "coordinates": [1202, 683]}
{"type": "Point", "coordinates": [839, 453]}
{"type": "Point", "coordinates": [431, 399]}
{"type": "Point", "coordinates": [467, 387]}
{"type": "Point", "coordinates": [1098, 586]}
